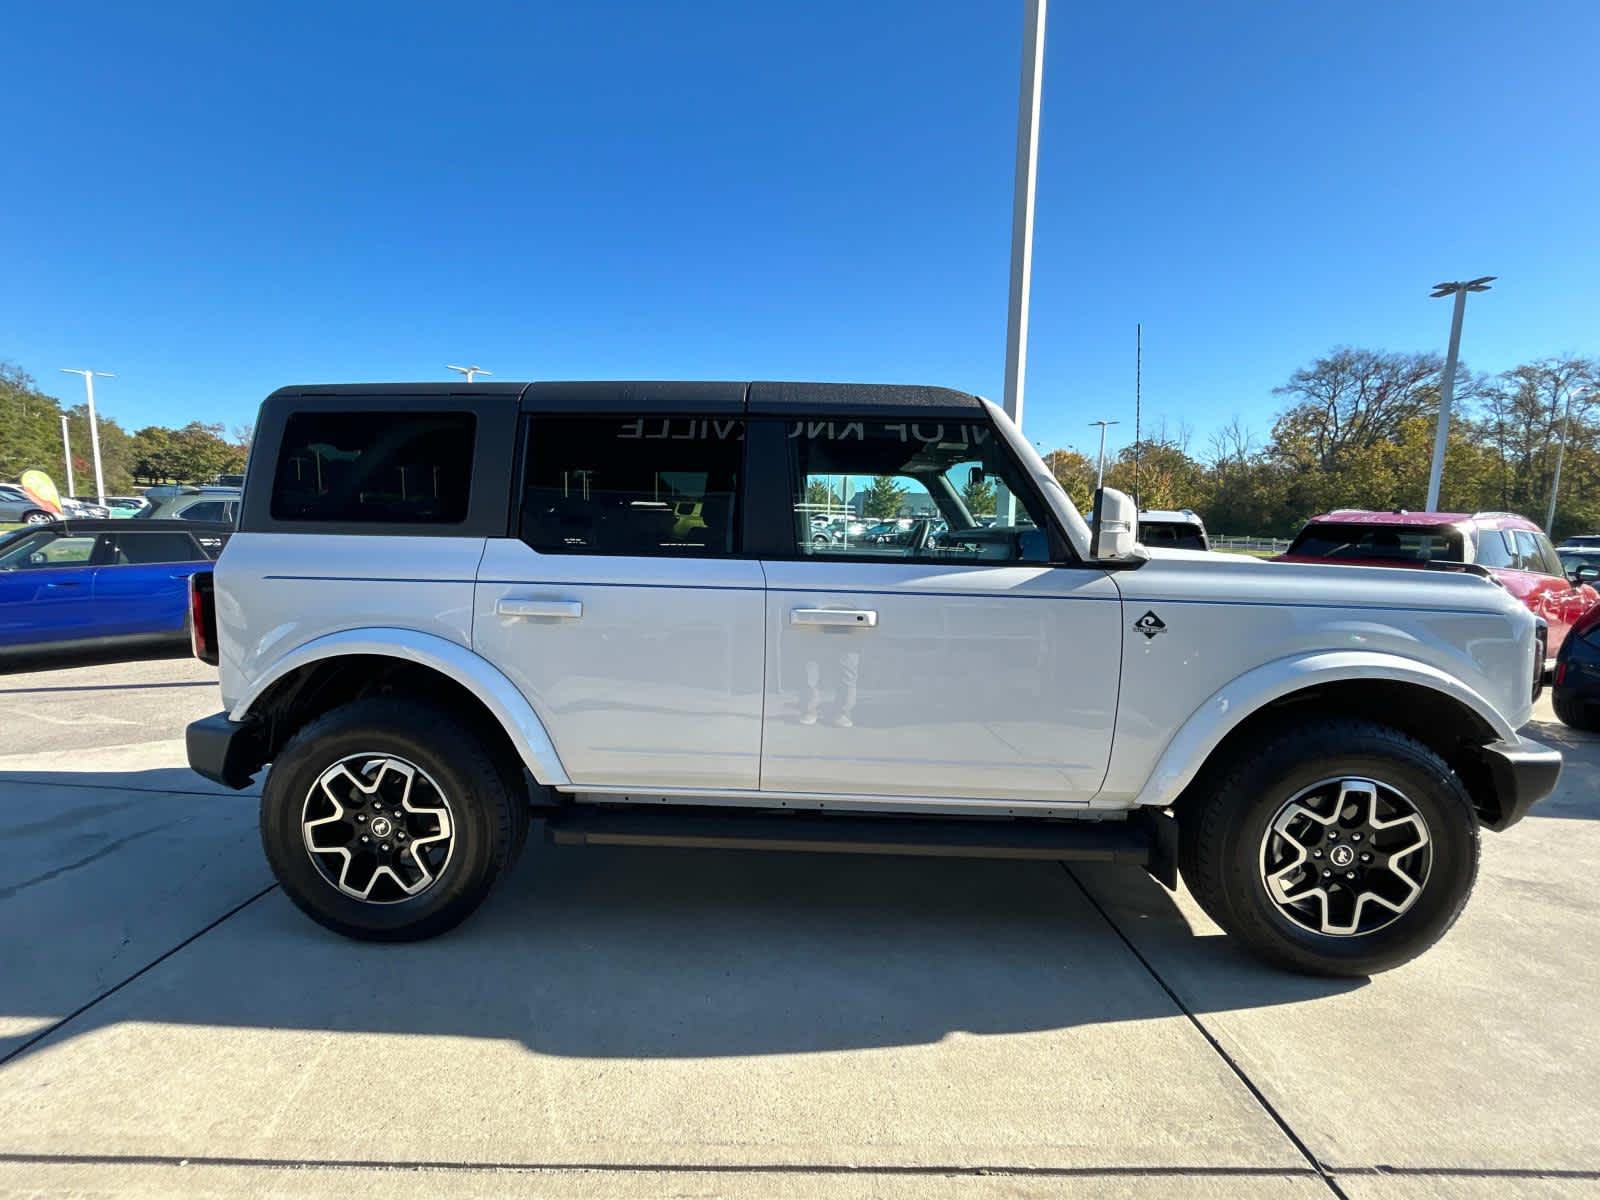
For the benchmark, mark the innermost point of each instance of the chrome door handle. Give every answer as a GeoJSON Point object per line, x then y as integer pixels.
{"type": "Point", "coordinates": [521, 607]}
{"type": "Point", "coordinates": [836, 618]}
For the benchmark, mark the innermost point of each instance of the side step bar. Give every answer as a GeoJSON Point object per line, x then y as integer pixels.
{"type": "Point", "coordinates": [1146, 840]}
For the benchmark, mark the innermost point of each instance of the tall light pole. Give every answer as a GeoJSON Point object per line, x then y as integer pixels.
{"type": "Point", "coordinates": [1447, 386]}
{"type": "Point", "coordinates": [94, 428]}
{"type": "Point", "coordinates": [1100, 472]}
{"type": "Point", "coordinates": [1030, 90]}
{"type": "Point", "coordinates": [471, 372]}
{"type": "Point", "coordinates": [66, 453]}
{"type": "Point", "coordinates": [1561, 454]}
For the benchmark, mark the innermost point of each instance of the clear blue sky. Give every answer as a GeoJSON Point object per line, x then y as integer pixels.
{"type": "Point", "coordinates": [213, 200]}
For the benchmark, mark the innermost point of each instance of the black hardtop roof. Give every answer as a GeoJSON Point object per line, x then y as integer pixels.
{"type": "Point", "coordinates": [666, 396]}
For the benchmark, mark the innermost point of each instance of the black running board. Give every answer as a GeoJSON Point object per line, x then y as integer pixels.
{"type": "Point", "coordinates": [1137, 841]}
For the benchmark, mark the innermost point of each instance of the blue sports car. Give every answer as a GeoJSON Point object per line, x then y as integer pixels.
{"type": "Point", "coordinates": [100, 583]}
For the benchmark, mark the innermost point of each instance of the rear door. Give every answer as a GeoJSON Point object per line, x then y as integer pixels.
{"type": "Point", "coordinates": [971, 666]}
{"type": "Point", "coordinates": [141, 585]}
{"type": "Point", "coordinates": [624, 607]}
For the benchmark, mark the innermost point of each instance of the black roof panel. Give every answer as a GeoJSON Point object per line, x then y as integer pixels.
{"type": "Point", "coordinates": [798, 399]}
{"type": "Point", "coordinates": [634, 396]}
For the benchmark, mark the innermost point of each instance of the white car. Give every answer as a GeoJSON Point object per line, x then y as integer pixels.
{"type": "Point", "coordinates": [448, 611]}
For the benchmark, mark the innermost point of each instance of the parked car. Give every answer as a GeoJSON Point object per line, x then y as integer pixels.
{"type": "Point", "coordinates": [1575, 687]}
{"type": "Point", "coordinates": [449, 612]}
{"type": "Point", "coordinates": [100, 582]}
{"type": "Point", "coordinates": [1513, 549]}
{"type": "Point", "coordinates": [1582, 564]}
{"type": "Point", "coordinates": [121, 507]}
{"type": "Point", "coordinates": [17, 507]}
{"type": "Point", "coordinates": [211, 504]}
{"type": "Point", "coordinates": [1181, 529]}
{"type": "Point", "coordinates": [84, 510]}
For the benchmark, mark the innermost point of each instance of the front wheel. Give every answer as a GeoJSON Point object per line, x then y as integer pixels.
{"type": "Point", "coordinates": [389, 819]}
{"type": "Point", "coordinates": [1341, 848]}
{"type": "Point", "coordinates": [34, 517]}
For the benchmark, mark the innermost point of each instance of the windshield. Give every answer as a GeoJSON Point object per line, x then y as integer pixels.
{"type": "Point", "coordinates": [1388, 543]}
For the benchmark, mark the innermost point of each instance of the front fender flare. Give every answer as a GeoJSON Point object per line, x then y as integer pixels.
{"type": "Point", "coordinates": [1198, 736]}
{"type": "Point", "coordinates": [499, 695]}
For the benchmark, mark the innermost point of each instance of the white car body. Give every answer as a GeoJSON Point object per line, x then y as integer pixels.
{"type": "Point", "coordinates": [679, 681]}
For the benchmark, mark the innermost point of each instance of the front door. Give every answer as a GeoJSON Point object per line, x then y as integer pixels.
{"type": "Point", "coordinates": [47, 589]}
{"type": "Point", "coordinates": [623, 611]}
{"type": "Point", "coordinates": [919, 641]}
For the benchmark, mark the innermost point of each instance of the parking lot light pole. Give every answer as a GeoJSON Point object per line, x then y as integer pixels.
{"type": "Point", "coordinates": [1447, 385]}
{"type": "Point", "coordinates": [1022, 189]}
{"type": "Point", "coordinates": [471, 372]}
{"type": "Point", "coordinates": [1561, 454]}
{"type": "Point", "coordinates": [66, 453]}
{"type": "Point", "coordinates": [1100, 472]}
{"type": "Point", "coordinates": [94, 429]}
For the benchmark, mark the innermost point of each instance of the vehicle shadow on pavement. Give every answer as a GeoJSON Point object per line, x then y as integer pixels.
{"type": "Point", "coordinates": [1578, 794]}
{"type": "Point", "coordinates": [645, 953]}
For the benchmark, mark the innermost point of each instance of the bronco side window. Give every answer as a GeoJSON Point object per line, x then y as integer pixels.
{"type": "Point", "coordinates": [628, 484]}
{"type": "Point", "coordinates": [934, 490]}
{"type": "Point", "coordinates": [398, 467]}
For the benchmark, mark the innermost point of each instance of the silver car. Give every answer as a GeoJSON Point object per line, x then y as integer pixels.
{"type": "Point", "coordinates": [17, 507]}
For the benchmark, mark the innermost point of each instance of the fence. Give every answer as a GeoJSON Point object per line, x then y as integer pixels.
{"type": "Point", "coordinates": [1263, 545]}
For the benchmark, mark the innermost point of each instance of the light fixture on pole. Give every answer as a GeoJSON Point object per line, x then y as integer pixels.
{"type": "Point", "coordinates": [66, 453]}
{"type": "Point", "coordinates": [1447, 385]}
{"type": "Point", "coordinates": [1100, 471]}
{"type": "Point", "coordinates": [471, 372]}
{"type": "Point", "coordinates": [1561, 454]}
{"type": "Point", "coordinates": [94, 428]}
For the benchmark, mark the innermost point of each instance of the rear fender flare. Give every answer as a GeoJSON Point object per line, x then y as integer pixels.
{"type": "Point", "coordinates": [499, 695]}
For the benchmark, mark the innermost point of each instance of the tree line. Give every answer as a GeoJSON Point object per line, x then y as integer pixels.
{"type": "Point", "coordinates": [30, 438]}
{"type": "Point", "coordinates": [1357, 431]}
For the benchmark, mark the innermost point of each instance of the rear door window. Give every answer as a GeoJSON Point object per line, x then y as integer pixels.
{"type": "Point", "coordinates": [378, 467]}
{"type": "Point", "coordinates": [658, 486]}
{"type": "Point", "coordinates": [134, 549]}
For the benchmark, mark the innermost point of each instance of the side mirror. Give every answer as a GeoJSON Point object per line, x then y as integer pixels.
{"type": "Point", "coordinates": [1115, 532]}
{"type": "Point", "coordinates": [1585, 575]}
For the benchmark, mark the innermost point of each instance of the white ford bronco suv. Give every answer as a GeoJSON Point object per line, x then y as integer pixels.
{"type": "Point", "coordinates": [450, 610]}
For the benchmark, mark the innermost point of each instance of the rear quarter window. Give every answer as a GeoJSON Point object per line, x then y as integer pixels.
{"type": "Point", "coordinates": [378, 467]}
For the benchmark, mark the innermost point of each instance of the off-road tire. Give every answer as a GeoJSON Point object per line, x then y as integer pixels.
{"type": "Point", "coordinates": [490, 816]}
{"type": "Point", "coordinates": [1222, 829]}
{"type": "Point", "coordinates": [1573, 712]}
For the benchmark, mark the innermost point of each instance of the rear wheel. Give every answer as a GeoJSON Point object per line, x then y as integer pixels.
{"type": "Point", "coordinates": [35, 517]}
{"type": "Point", "coordinates": [389, 820]}
{"type": "Point", "coordinates": [1574, 712]}
{"type": "Point", "coordinates": [1344, 848]}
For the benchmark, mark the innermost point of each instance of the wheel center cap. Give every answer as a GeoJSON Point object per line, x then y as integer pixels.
{"type": "Point", "coordinates": [382, 827]}
{"type": "Point", "coordinates": [1339, 856]}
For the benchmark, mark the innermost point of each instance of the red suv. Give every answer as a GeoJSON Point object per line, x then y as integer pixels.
{"type": "Point", "coordinates": [1513, 548]}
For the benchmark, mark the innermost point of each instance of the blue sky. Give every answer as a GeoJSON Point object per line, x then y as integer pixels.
{"type": "Point", "coordinates": [213, 200]}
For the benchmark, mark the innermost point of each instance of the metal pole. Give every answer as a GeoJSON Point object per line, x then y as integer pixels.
{"type": "Point", "coordinates": [1022, 190]}
{"type": "Point", "coordinates": [1446, 389]}
{"type": "Point", "coordinates": [1100, 473]}
{"type": "Point", "coordinates": [1561, 454]}
{"type": "Point", "coordinates": [94, 441]}
{"type": "Point", "coordinates": [66, 452]}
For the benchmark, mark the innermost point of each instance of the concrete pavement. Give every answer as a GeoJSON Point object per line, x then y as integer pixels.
{"type": "Point", "coordinates": [639, 1022]}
